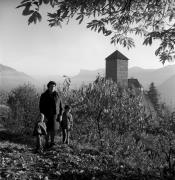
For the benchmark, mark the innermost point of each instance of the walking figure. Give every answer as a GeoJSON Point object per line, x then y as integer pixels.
{"type": "Point", "coordinates": [66, 124]}
{"type": "Point", "coordinates": [51, 106]}
{"type": "Point", "coordinates": [40, 133]}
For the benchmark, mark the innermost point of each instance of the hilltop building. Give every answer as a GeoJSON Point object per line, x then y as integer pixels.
{"type": "Point", "coordinates": [117, 68]}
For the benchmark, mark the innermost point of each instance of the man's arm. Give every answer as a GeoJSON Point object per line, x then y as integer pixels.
{"type": "Point", "coordinates": [60, 110]}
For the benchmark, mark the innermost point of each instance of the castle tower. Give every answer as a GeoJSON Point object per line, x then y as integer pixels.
{"type": "Point", "coordinates": [117, 68]}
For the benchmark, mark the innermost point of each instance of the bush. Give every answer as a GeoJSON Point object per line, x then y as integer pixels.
{"type": "Point", "coordinates": [3, 97]}
{"type": "Point", "coordinates": [103, 110]}
{"type": "Point", "coordinates": [113, 119]}
{"type": "Point", "coordinates": [110, 118]}
{"type": "Point", "coordinates": [23, 102]}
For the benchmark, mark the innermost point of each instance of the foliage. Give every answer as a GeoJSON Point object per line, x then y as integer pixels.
{"type": "Point", "coordinates": [3, 97]}
{"type": "Point", "coordinates": [110, 119]}
{"type": "Point", "coordinates": [23, 102]}
{"type": "Point", "coordinates": [113, 119]}
{"type": "Point", "coordinates": [154, 20]}
{"type": "Point", "coordinates": [60, 162]}
{"type": "Point", "coordinates": [103, 110]}
{"type": "Point", "coordinates": [153, 95]}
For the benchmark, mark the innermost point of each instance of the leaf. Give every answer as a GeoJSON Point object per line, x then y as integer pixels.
{"type": "Point", "coordinates": [123, 40]}
{"type": "Point", "coordinates": [89, 25]}
{"type": "Point", "coordinates": [27, 10]}
{"type": "Point", "coordinates": [81, 20]}
{"type": "Point", "coordinates": [39, 16]}
{"type": "Point", "coordinates": [157, 52]}
{"type": "Point", "coordinates": [109, 32]}
{"type": "Point", "coordinates": [100, 29]}
{"type": "Point", "coordinates": [171, 16]}
{"type": "Point", "coordinates": [24, 4]}
{"type": "Point", "coordinates": [40, 2]}
{"type": "Point", "coordinates": [64, 14]}
{"type": "Point", "coordinates": [31, 19]}
{"type": "Point", "coordinates": [53, 2]}
{"type": "Point", "coordinates": [46, 1]}
{"type": "Point", "coordinates": [24, 1]}
{"type": "Point", "coordinates": [34, 17]}
{"type": "Point", "coordinates": [36, 3]}
{"type": "Point", "coordinates": [52, 15]}
{"type": "Point", "coordinates": [147, 41]}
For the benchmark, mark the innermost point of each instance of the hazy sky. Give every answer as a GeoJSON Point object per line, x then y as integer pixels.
{"type": "Point", "coordinates": [41, 50]}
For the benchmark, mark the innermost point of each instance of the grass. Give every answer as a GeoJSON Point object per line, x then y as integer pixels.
{"type": "Point", "coordinates": [76, 161]}
{"type": "Point", "coordinates": [18, 160]}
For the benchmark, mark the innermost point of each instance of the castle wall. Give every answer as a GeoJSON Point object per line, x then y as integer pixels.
{"type": "Point", "coordinates": [122, 72]}
{"type": "Point", "coordinates": [111, 70]}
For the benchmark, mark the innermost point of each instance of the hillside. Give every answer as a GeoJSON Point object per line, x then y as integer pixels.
{"type": "Point", "coordinates": [43, 80]}
{"type": "Point", "coordinates": [10, 78]}
{"type": "Point", "coordinates": [164, 79]}
{"type": "Point", "coordinates": [86, 76]}
{"type": "Point", "coordinates": [18, 161]}
{"type": "Point", "coordinates": [167, 91]}
{"type": "Point", "coordinates": [145, 76]}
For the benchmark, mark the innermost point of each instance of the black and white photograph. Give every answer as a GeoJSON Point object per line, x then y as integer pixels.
{"type": "Point", "coordinates": [87, 90]}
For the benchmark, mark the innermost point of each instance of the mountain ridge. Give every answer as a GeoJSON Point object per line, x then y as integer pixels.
{"type": "Point", "coordinates": [163, 78]}
{"type": "Point", "coordinates": [11, 78]}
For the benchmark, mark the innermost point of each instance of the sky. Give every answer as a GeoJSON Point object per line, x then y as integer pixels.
{"type": "Point", "coordinates": [41, 50]}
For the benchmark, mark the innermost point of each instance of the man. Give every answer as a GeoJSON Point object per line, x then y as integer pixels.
{"type": "Point", "coordinates": [51, 106]}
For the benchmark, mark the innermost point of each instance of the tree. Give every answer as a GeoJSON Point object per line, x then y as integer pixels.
{"type": "Point", "coordinates": [152, 19]}
{"type": "Point", "coordinates": [23, 102]}
{"type": "Point", "coordinates": [104, 113]}
{"type": "Point", "coordinates": [153, 95]}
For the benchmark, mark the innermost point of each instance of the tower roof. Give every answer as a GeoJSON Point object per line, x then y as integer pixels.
{"type": "Point", "coordinates": [117, 55]}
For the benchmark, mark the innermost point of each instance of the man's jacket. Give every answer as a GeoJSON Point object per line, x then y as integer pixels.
{"type": "Point", "coordinates": [50, 104]}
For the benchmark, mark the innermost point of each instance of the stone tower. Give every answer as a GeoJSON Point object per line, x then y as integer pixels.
{"type": "Point", "coordinates": [117, 68]}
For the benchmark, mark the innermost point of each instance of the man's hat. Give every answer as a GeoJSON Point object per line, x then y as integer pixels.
{"type": "Point", "coordinates": [51, 83]}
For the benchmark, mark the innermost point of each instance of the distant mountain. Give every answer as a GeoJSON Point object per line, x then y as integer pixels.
{"type": "Point", "coordinates": [164, 79]}
{"type": "Point", "coordinates": [143, 75]}
{"type": "Point", "coordinates": [43, 80]}
{"type": "Point", "coordinates": [146, 76]}
{"type": "Point", "coordinates": [137, 70]}
{"type": "Point", "coordinates": [10, 78]}
{"type": "Point", "coordinates": [86, 76]}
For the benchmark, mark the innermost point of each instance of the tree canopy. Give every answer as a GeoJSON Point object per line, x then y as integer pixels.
{"type": "Point", "coordinates": [119, 19]}
{"type": "Point", "coordinates": [153, 95]}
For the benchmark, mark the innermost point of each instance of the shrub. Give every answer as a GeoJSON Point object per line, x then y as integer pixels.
{"type": "Point", "coordinates": [23, 102]}
{"type": "Point", "coordinates": [102, 110]}
{"type": "Point", "coordinates": [108, 117]}
{"type": "Point", "coordinates": [3, 97]}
